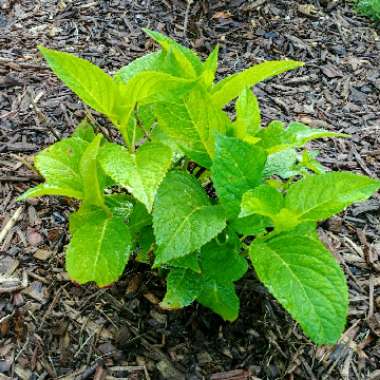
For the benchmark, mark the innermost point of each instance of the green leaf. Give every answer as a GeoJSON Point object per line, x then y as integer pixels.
{"type": "Point", "coordinates": [145, 241]}
{"type": "Point", "coordinates": [251, 225]}
{"type": "Point", "coordinates": [275, 137]}
{"type": "Point", "coordinates": [89, 82]}
{"type": "Point", "coordinates": [149, 87]}
{"type": "Point", "coordinates": [237, 167]}
{"type": "Point", "coordinates": [317, 197]}
{"type": "Point", "coordinates": [83, 215]}
{"type": "Point", "coordinates": [84, 131]}
{"type": "Point", "coordinates": [213, 287]}
{"type": "Point", "coordinates": [207, 120]}
{"type": "Point", "coordinates": [59, 164]}
{"type": "Point", "coordinates": [120, 205]}
{"type": "Point", "coordinates": [263, 200]}
{"type": "Point", "coordinates": [282, 164]}
{"type": "Point", "coordinates": [248, 118]}
{"type": "Point", "coordinates": [141, 172]}
{"type": "Point", "coordinates": [210, 66]}
{"type": "Point", "coordinates": [139, 219]}
{"type": "Point", "coordinates": [308, 160]}
{"type": "Point", "coordinates": [187, 59]}
{"type": "Point", "coordinates": [183, 287]}
{"type": "Point", "coordinates": [230, 87]}
{"type": "Point", "coordinates": [175, 125]}
{"type": "Point", "coordinates": [307, 281]}
{"type": "Point", "coordinates": [190, 261]}
{"type": "Point", "coordinates": [92, 177]}
{"type": "Point", "coordinates": [148, 62]}
{"type": "Point", "coordinates": [99, 251]}
{"type": "Point", "coordinates": [47, 189]}
{"type": "Point", "coordinates": [183, 217]}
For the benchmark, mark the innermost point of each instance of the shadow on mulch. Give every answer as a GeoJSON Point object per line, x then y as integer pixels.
{"type": "Point", "coordinates": [49, 328]}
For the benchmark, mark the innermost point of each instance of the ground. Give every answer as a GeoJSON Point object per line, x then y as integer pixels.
{"type": "Point", "coordinates": [51, 328]}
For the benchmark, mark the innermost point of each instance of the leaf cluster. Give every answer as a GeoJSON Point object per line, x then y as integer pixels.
{"type": "Point", "coordinates": [196, 193]}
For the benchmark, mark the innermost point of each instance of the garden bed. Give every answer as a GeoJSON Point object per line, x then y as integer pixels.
{"type": "Point", "coordinates": [50, 328]}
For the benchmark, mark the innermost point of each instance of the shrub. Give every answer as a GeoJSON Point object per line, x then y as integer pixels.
{"type": "Point", "coordinates": [369, 8]}
{"type": "Point", "coordinates": [195, 193]}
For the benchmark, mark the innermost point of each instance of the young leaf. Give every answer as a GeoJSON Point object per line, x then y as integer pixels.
{"type": "Point", "coordinates": [263, 200]}
{"type": "Point", "coordinates": [175, 124]}
{"type": "Point", "coordinates": [120, 205]}
{"type": "Point", "coordinates": [213, 287]}
{"type": "Point", "coordinates": [317, 197]}
{"type": "Point", "coordinates": [238, 166]}
{"type": "Point", "coordinates": [187, 59]}
{"type": "Point", "coordinates": [230, 87]}
{"type": "Point", "coordinates": [59, 164]}
{"type": "Point", "coordinates": [149, 87]}
{"type": "Point", "coordinates": [207, 120]}
{"type": "Point", "coordinates": [306, 280]}
{"type": "Point", "coordinates": [251, 225]}
{"type": "Point", "coordinates": [84, 131]}
{"type": "Point", "coordinates": [248, 118]}
{"type": "Point", "coordinates": [275, 137]}
{"type": "Point", "coordinates": [149, 62]}
{"type": "Point", "coordinates": [89, 82]}
{"type": "Point", "coordinates": [99, 250]}
{"type": "Point", "coordinates": [183, 218]}
{"type": "Point", "coordinates": [92, 177]}
{"type": "Point", "coordinates": [140, 172]}
{"type": "Point", "coordinates": [210, 66]}
{"type": "Point", "coordinates": [282, 164]}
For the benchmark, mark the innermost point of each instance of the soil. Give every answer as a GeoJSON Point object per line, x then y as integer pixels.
{"type": "Point", "coordinates": [51, 328]}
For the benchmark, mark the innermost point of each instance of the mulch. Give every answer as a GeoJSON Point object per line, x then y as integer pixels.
{"type": "Point", "coordinates": [51, 328]}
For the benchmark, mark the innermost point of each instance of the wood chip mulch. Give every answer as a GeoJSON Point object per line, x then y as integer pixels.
{"type": "Point", "coordinates": [52, 329]}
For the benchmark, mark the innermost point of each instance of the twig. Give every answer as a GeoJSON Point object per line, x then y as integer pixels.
{"type": "Point", "coordinates": [26, 178]}
{"type": "Point", "coordinates": [187, 13]}
{"type": "Point", "coordinates": [11, 222]}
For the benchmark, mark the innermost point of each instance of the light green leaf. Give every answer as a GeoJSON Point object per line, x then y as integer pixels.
{"type": "Point", "coordinates": [183, 217]}
{"type": "Point", "coordinates": [275, 137]}
{"type": "Point", "coordinates": [120, 205]}
{"type": "Point", "coordinates": [148, 62]}
{"type": "Point", "coordinates": [188, 61]}
{"type": "Point", "coordinates": [210, 66]}
{"type": "Point", "coordinates": [317, 197]}
{"type": "Point", "coordinates": [282, 164]}
{"type": "Point", "coordinates": [59, 165]}
{"type": "Point", "coordinates": [248, 118]}
{"type": "Point", "coordinates": [99, 251]}
{"type": "Point", "coordinates": [263, 200]}
{"type": "Point", "coordinates": [237, 167]}
{"type": "Point", "coordinates": [89, 82]}
{"type": "Point", "coordinates": [307, 281]}
{"type": "Point", "coordinates": [213, 287]}
{"type": "Point", "coordinates": [92, 177]}
{"type": "Point", "coordinates": [85, 214]}
{"type": "Point", "coordinates": [230, 87]}
{"type": "Point", "coordinates": [207, 120]}
{"type": "Point", "coordinates": [47, 189]}
{"type": "Point", "coordinates": [141, 172]}
{"type": "Point", "coordinates": [176, 126]}
{"type": "Point", "coordinates": [84, 131]}
{"type": "Point", "coordinates": [149, 87]}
